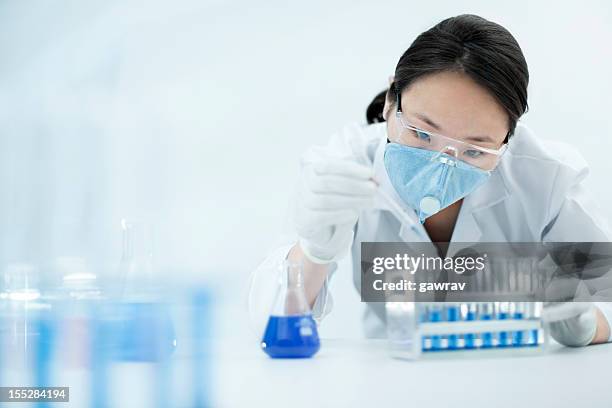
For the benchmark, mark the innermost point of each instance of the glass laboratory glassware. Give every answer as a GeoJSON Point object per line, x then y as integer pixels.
{"type": "Point", "coordinates": [136, 263]}
{"type": "Point", "coordinates": [142, 328]}
{"type": "Point", "coordinates": [402, 319]}
{"type": "Point", "coordinates": [291, 331]}
{"type": "Point", "coordinates": [78, 294]}
{"type": "Point", "coordinates": [23, 313]}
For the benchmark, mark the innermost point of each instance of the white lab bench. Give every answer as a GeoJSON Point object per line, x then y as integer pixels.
{"type": "Point", "coordinates": [360, 373]}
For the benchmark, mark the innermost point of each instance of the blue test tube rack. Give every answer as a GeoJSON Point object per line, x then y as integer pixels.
{"type": "Point", "coordinates": [446, 327]}
{"type": "Point", "coordinates": [482, 325]}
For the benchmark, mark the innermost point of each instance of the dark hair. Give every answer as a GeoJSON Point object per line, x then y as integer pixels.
{"type": "Point", "coordinates": [483, 50]}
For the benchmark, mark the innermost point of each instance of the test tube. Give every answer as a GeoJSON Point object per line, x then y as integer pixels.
{"type": "Point", "coordinates": [533, 335]}
{"type": "Point", "coordinates": [507, 269]}
{"type": "Point", "coordinates": [534, 275]}
{"type": "Point", "coordinates": [200, 322]}
{"type": "Point", "coordinates": [470, 315]}
{"type": "Point", "coordinates": [423, 313]}
{"type": "Point", "coordinates": [453, 314]}
{"type": "Point", "coordinates": [435, 315]}
{"type": "Point", "coordinates": [519, 314]}
{"type": "Point", "coordinates": [43, 350]}
{"type": "Point", "coordinates": [163, 367]}
{"type": "Point", "coordinates": [485, 312]}
{"type": "Point", "coordinates": [100, 351]}
{"type": "Point", "coordinates": [485, 309]}
{"type": "Point", "coordinates": [504, 337]}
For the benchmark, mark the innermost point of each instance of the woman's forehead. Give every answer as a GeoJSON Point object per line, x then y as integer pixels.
{"type": "Point", "coordinates": [452, 103]}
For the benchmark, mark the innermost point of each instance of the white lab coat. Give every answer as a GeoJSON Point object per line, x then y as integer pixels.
{"type": "Point", "coordinates": [536, 194]}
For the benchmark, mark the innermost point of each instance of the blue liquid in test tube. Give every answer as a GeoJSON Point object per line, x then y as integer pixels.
{"type": "Point", "coordinates": [201, 315]}
{"type": "Point", "coordinates": [532, 339]}
{"type": "Point", "coordinates": [518, 336]}
{"type": "Point", "coordinates": [470, 338]}
{"type": "Point", "coordinates": [423, 318]}
{"type": "Point", "coordinates": [435, 315]}
{"type": "Point", "coordinates": [452, 315]}
{"type": "Point", "coordinates": [100, 349]}
{"type": "Point", "coordinates": [46, 332]}
{"type": "Point", "coordinates": [486, 313]}
{"type": "Point", "coordinates": [504, 337]}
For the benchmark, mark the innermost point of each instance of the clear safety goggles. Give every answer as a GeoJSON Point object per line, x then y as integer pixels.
{"type": "Point", "coordinates": [477, 156]}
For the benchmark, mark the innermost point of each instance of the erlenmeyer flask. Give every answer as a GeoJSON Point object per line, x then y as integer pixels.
{"type": "Point", "coordinates": [136, 269]}
{"type": "Point", "coordinates": [143, 327]}
{"type": "Point", "coordinates": [291, 331]}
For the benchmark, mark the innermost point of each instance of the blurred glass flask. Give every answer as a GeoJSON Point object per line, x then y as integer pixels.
{"type": "Point", "coordinates": [143, 326]}
{"type": "Point", "coordinates": [78, 295]}
{"type": "Point", "coordinates": [136, 264]}
{"type": "Point", "coordinates": [78, 282]}
{"type": "Point", "coordinates": [21, 308]}
{"type": "Point", "coordinates": [291, 331]}
{"type": "Point", "coordinates": [21, 282]}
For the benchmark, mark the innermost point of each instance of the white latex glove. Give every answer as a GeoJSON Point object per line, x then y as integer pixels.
{"type": "Point", "coordinates": [571, 323]}
{"type": "Point", "coordinates": [331, 194]}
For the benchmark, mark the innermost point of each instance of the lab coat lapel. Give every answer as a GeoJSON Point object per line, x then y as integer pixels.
{"type": "Point", "coordinates": [468, 228]}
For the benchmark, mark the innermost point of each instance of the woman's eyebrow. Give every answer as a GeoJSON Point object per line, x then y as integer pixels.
{"type": "Point", "coordinates": [427, 120]}
{"type": "Point", "coordinates": [481, 139]}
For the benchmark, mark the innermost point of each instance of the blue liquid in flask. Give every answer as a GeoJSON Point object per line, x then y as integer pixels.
{"type": "Point", "coordinates": [291, 337]}
{"type": "Point", "coordinates": [291, 331]}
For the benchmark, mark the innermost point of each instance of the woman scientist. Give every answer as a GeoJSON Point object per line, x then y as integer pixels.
{"type": "Point", "coordinates": [460, 89]}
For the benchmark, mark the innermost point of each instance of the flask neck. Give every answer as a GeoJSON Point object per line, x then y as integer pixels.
{"type": "Point", "coordinates": [137, 240]}
{"type": "Point", "coordinates": [291, 298]}
{"type": "Point", "coordinates": [137, 270]}
{"type": "Point", "coordinates": [293, 275]}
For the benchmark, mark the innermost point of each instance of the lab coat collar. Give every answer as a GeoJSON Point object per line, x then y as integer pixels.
{"type": "Point", "coordinates": [467, 228]}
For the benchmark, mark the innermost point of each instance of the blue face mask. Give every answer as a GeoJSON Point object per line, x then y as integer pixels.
{"type": "Point", "coordinates": [429, 181]}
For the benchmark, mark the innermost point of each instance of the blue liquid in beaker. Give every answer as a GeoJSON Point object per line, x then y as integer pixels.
{"type": "Point", "coordinates": [291, 337]}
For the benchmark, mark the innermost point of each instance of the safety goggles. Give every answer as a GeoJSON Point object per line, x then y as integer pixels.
{"type": "Point", "coordinates": [477, 156]}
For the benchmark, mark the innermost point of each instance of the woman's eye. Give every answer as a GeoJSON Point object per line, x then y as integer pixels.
{"type": "Point", "coordinates": [422, 136]}
{"type": "Point", "coordinates": [472, 154]}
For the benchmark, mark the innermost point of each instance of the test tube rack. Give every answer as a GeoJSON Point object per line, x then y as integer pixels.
{"type": "Point", "coordinates": [419, 329]}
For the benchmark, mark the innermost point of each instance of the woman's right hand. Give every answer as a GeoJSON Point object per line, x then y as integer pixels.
{"type": "Point", "coordinates": [332, 193]}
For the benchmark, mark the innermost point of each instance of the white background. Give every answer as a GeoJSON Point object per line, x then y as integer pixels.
{"type": "Point", "coordinates": [193, 114]}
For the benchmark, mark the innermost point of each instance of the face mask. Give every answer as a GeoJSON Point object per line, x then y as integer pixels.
{"type": "Point", "coordinates": [429, 181]}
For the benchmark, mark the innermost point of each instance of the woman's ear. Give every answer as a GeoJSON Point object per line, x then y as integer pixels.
{"type": "Point", "coordinates": [387, 106]}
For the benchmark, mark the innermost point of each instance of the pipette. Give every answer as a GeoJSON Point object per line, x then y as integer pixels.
{"type": "Point", "coordinates": [394, 206]}
{"type": "Point", "coordinates": [399, 212]}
